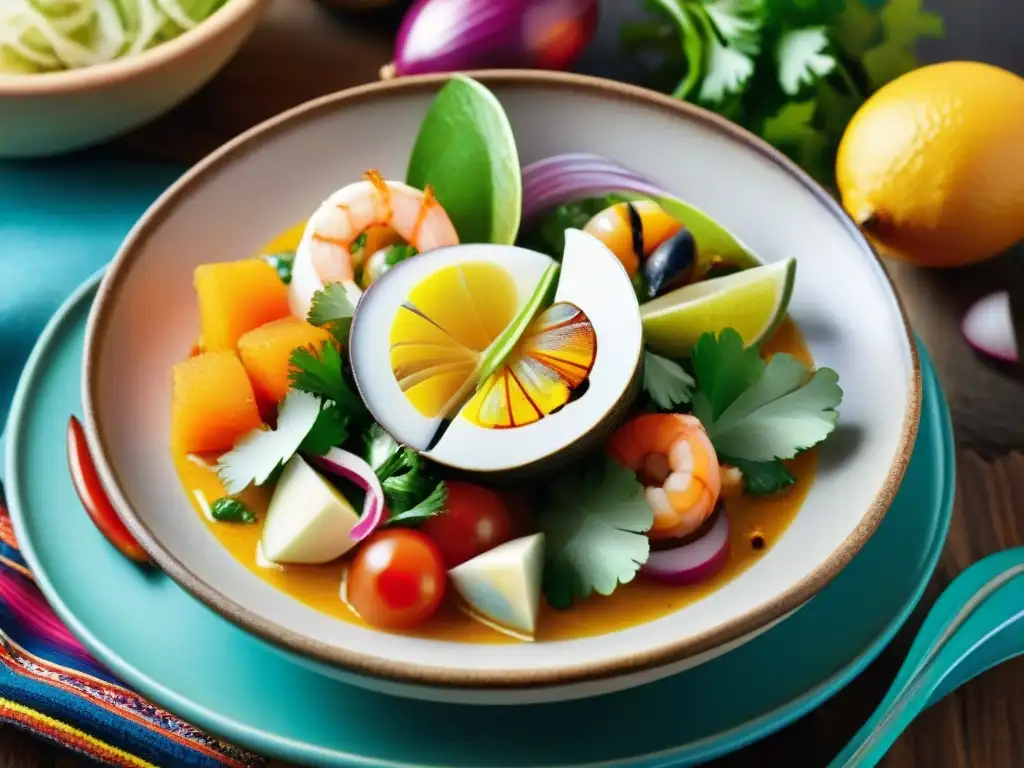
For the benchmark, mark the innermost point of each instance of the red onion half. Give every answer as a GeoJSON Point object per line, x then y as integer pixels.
{"type": "Point", "coordinates": [988, 327]}
{"type": "Point", "coordinates": [694, 562]}
{"type": "Point", "coordinates": [457, 35]}
{"type": "Point", "coordinates": [353, 468]}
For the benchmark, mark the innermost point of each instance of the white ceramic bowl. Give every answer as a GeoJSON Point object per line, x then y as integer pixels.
{"type": "Point", "coordinates": [265, 181]}
{"type": "Point", "coordinates": [47, 114]}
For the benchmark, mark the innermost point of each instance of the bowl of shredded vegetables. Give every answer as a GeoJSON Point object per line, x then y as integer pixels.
{"type": "Point", "coordinates": [77, 72]}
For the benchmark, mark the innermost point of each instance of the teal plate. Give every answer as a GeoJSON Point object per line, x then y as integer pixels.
{"type": "Point", "coordinates": [188, 660]}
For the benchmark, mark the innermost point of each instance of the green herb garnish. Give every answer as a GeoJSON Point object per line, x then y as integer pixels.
{"type": "Point", "coordinates": [668, 384]}
{"type": "Point", "coordinates": [330, 430]}
{"type": "Point", "coordinates": [757, 411]}
{"type": "Point", "coordinates": [282, 262]}
{"type": "Point", "coordinates": [412, 492]}
{"type": "Point", "coordinates": [228, 510]}
{"type": "Point", "coordinates": [594, 521]}
{"type": "Point", "coordinates": [331, 308]}
{"type": "Point", "coordinates": [761, 478]}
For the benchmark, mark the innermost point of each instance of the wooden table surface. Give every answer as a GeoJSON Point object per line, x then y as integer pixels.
{"type": "Point", "coordinates": [301, 51]}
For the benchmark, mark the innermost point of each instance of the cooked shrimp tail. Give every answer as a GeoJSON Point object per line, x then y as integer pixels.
{"type": "Point", "coordinates": [674, 459]}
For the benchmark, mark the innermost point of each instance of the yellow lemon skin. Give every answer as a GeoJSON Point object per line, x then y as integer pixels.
{"type": "Point", "coordinates": [932, 165]}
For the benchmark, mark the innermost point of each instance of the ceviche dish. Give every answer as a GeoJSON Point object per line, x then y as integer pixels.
{"type": "Point", "coordinates": [496, 402]}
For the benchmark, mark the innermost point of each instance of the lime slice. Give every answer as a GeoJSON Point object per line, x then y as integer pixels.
{"type": "Point", "coordinates": [753, 302]}
{"type": "Point", "coordinates": [466, 153]}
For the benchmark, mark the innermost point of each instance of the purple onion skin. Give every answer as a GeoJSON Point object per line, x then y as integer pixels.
{"type": "Point", "coordinates": [458, 35]}
{"type": "Point", "coordinates": [576, 176]}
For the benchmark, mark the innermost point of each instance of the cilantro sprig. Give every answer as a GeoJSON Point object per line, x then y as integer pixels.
{"type": "Point", "coordinates": [594, 519]}
{"type": "Point", "coordinates": [412, 492]}
{"type": "Point", "coordinates": [761, 411]}
{"type": "Point", "coordinates": [792, 72]}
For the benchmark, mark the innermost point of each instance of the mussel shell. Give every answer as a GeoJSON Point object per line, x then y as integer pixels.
{"type": "Point", "coordinates": [671, 264]}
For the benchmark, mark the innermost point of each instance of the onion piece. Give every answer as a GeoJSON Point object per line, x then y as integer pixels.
{"type": "Point", "coordinates": [988, 327]}
{"type": "Point", "coordinates": [351, 467]}
{"type": "Point", "coordinates": [693, 562]}
{"type": "Point", "coordinates": [459, 35]}
{"type": "Point", "coordinates": [576, 176]}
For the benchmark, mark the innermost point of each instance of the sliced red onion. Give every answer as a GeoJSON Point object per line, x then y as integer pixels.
{"type": "Point", "coordinates": [459, 35]}
{"type": "Point", "coordinates": [576, 176]}
{"type": "Point", "coordinates": [988, 327]}
{"type": "Point", "coordinates": [353, 468]}
{"type": "Point", "coordinates": [694, 562]}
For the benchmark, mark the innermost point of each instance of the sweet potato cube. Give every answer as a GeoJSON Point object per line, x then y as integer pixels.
{"type": "Point", "coordinates": [213, 403]}
{"type": "Point", "coordinates": [235, 297]}
{"type": "Point", "coordinates": [266, 352]}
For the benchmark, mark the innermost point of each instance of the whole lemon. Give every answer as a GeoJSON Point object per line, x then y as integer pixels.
{"type": "Point", "coordinates": [932, 164]}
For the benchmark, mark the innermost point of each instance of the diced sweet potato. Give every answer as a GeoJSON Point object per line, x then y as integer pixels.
{"type": "Point", "coordinates": [213, 403]}
{"type": "Point", "coordinates": [235, 297]}
{"type": "Point", "coordinates": [265, 353]}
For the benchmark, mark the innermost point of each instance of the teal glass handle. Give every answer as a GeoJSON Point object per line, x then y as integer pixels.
{"type": "Point", "coordinates": [977, 623]}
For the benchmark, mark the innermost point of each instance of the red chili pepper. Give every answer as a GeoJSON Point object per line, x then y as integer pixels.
{"type": "Point", "coordinates": [94, 498]}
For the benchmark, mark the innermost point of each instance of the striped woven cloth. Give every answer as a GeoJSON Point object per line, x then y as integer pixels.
{"type": "Point", "coordinates": [50, 685]}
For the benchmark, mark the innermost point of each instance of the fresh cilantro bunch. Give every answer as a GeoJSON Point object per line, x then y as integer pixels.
{"type": "Point", "coordinates": [412, 491]}
{"type": "Point", "coordinates": [792, 71]}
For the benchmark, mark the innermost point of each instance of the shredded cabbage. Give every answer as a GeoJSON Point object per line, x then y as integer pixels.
{"type": "Point", "coordinates": [50, 35]}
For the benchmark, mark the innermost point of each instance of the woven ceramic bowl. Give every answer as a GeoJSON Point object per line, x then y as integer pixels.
{"type": "Point", "coordinates": [237, 199]}
{"type": "Point", "coordinates": [52, 113]}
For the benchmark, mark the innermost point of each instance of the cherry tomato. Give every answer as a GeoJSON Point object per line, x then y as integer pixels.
{"type": "Point", "coordinates": [397, 579]}
{"type": "Point", "coordinates": [475, 520]}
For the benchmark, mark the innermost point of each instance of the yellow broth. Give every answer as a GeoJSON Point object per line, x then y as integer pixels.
{"type": "Point", "coordinates": [755, 524]}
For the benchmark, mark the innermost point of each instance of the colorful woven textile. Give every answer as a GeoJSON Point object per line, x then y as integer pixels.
{"type": "Point", "coordinates": [49, 684]}
{"type": "Point", "coordinates": [59, 223]}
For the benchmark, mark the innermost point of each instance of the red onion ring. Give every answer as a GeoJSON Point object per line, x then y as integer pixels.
{"type": "Point", "coordinates": [694, 562]}
{"type": "Point", "coordinates": [351, 467]}
{"type": "Point", "coordinates": [575, 176]}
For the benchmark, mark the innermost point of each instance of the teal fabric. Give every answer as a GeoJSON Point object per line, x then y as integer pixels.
{"type": "Point", "coordinates": [59, 222]}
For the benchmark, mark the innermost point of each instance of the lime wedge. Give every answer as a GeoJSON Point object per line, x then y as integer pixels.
{"type": "Point", "coordinates": [753, 302]}
{"type": "Point", "coordinates": [466, 153]}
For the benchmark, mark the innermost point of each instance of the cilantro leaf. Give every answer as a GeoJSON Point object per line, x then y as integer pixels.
{"type": "Point", "coordinates": [904, 22]}
{"type": "Point", "coordinates": [432, 504]}
{"type": "Point", "coordinates": [802, 58]}
{"type": "Point", "coordinates": [323, 374]}
{"type": "Point", "coordinates": [784, 412]}
{"type": "Point", "coordinates": [726, 70]}
{"type": "Point", "coordinates": [282, 263]}
{"type": "Point", "coordinates": [411, 491]}
{"type": "Point", "coordinates": [692, 44]}
{"type": "Point", "coordinates": [858, 28]}
{"type": "Point", "coordinates": [738, 22]}
{"type": "Point", "coordinates": [228, 510]}
{"type": "Point", "coordinates": [257, 454]}
{"type": "Point", "coordinates": [329, 430]}
{"type": "Point", "coordinates": [761, 478]}
{"type": "Point", "coordinates": [331, 308]}
{"type": "Point", "coordinates": [594, 521]}
{"type": "Point", "coordinates": [666, 382]}
{"type": "Point", "coordinates": [724, 369]}
{"type": "Point", "coordinates": [792, 131]}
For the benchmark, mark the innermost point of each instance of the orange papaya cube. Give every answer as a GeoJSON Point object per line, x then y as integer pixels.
{"type": "Point", "coordinates": [235, 297]}
{"type": "Point", "coordinates": [213, 403]}
{"type": "Point", "coordinates": [267, 350]}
